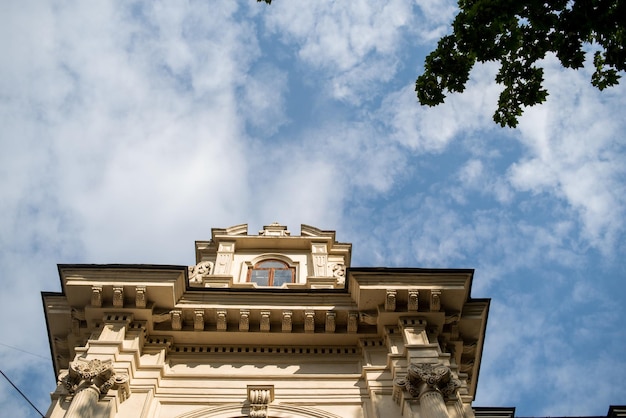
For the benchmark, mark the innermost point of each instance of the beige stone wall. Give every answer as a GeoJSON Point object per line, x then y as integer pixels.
{"type": "Point", "coordinates": [168, 341]}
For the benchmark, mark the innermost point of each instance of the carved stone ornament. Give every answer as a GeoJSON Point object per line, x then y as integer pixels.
{"type": "Point", "coordinates": [339, 273]}
{"type": "Point", "coordinates": [96, 296]}
{"type": "Point", "coordinates": [118, 296]}
{"type": "Point", "coordinates": [94, 374]}
{"type": "Point", "coordinates": [435, 300]}
{"type": "Point", "coordinates": [222, 324]}
{"type": "Point", "coordinates": [390, 300]}
{"type": "Point", "coordinates": [198, 320]}
{"type": "Point", "coordinates": [259, 399]}
{"type": "Point", "coordinates": [330, 321]}
{"type": "Point", "coordinates": [422, 378]}
{"type": "Point", "coordinates": [309, 321]}
{"type": "Point", "coordinates": [264, 324]}
{"type": "Point", "coordinates": [413, 304]}
{"type": "Point", "coordinates": [244, 320]}
{"type": "Point", "coordinates": [353, 322]}
{"type": "Point", "coordinates": [287, 321]}
{"type": "Point", "coordinates": [177, 320]}
{"type": "Point", "coordinates": [140, 297]}
{"type": "Point", "coordinates": [199, 271]}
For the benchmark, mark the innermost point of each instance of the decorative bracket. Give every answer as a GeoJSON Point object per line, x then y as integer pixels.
{"type": "Point", "coordinates": [259, 398]}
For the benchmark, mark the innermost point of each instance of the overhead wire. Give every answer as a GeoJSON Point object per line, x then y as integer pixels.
{"type": "Point", "coordinates": [12, 384]}
{"type": "Point", "coordinates": [21, 393]}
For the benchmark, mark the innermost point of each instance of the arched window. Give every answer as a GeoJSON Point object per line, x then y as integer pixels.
{"type": "Point", "coordinates": [271, 273]}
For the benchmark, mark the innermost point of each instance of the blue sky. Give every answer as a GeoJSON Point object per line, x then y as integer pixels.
{"type": "Point", "coordinates": [129, 129]}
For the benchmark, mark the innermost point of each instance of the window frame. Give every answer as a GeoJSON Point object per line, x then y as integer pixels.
{"type": "Point", "coordinates": [271, 270]}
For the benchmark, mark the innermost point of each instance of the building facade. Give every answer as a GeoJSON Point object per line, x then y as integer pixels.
{"type": "Point", "coordinates": [266, 325]}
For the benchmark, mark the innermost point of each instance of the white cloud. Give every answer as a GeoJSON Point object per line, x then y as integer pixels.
{"type": "Point", "coordinates": [575, 144]}
{"type": "Point", "coordinates": [356, 43]}
{"type": "Point", "coordinates": [128, 131]}
{"type": "Point", "coordinates": [431, 129]}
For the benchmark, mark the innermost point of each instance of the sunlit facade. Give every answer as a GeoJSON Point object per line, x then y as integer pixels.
{"type": "Point", "coordinates": [266, 325]}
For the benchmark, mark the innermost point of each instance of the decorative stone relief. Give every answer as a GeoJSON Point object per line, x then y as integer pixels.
{"type": "Point", "coordinates": [199, 271]}
{"type": "Point", "coordinates": [96, 296]}
{"type": "Point", "coordinates": [320, 259]}
{"type": "Point", "coordinates": [221, 320]}
{"type": "Point", "coordinates": [177, 320]}
{"type": "Point", "coordinates": [198, 320]}
{"type": "Point", "coordinates": [259, 398]}
{"type": "Point", "coordinates": [309, 321]}
{"type": "Point", "coordinates": [265, 321]}
{"type": "Point", "coordinates": [353, 322]}
{"type": "Point", "coordinates": [339, 273]}
{"type": "Point", "coordinates": [94, 374]}
{"type": "Point", "coordinates": [224, 257]}
{"type": "Point", "coordinates": [330, 321]}
{"type": "Point", "coordinates": [118, 296]}
{"type": "Point", "coordinates": [244, 320]}
{"type": "Point", "coordinates": [425, 377]}
{"type": "Point", "coordinates": [435, 300]}
{"type": "Point", "coordinates": [287, 321]}
{"type": "Point", "coordinates": [140, 297]}
{"type": "Point", "coordinates": [390, 300]}
{"type": "Point", "coordinates": [413, 304]}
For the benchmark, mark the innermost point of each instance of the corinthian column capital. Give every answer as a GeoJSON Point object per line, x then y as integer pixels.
{"type": "Point", "coordinates": [427, 377]}
{"type": "Point", "coordinates": [94, 374]}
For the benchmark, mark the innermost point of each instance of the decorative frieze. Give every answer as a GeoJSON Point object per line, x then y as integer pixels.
{"type": "Point", "coordinates": [140, 297]}
{"type": "Point", "coordinates": [309, 321]}
{"type": "Point", "coordinates": [435, 300]}
{"type": "Point", "coordinates": [118, 296]}
{"type": "Point", "coordinates": [244, 320]}
{"type": "Point", "coordinates": [287, 321]}
{"type": "Point", "coordinates": [413, 302]}
{"type": "Point", "coordinates": [330, 321]}
{"type": "Point", "coordinates": [390, 300]}
{"type": "Point", "coordinates": [264, 324]}
{"type": "Point", "coordinates": [221, 320]}
{"type": "Point", "coordinates": [198, 320]}
{"type": "Point", "coordinates": [177, 319]}
{"type": "Point", "coordinates": [96, 296]}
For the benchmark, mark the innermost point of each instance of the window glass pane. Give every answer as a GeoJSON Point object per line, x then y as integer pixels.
{"type": "Point", "coordinates": [271, 264]}
{"type": "Point", "coordinates": [260, 277]}
{"type": "Point", "coordinates": [282, 276]}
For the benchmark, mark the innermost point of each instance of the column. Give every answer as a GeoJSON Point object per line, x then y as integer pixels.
{"type": "Point", "coordinates": [430, 383]}
{"type": "Point", "coordinates": [87, 381]}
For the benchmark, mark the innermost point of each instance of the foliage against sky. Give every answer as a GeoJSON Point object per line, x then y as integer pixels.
{"type": "Point", "coordinates": [128, 129]}
{"type": "Point", "coordinates": [518, 35]}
